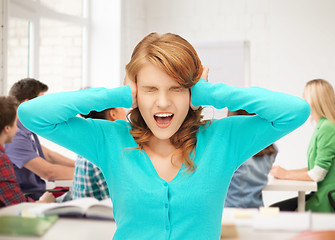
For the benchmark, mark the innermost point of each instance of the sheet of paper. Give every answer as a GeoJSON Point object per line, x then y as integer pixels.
{"type": "Point", "coordinates": [323, 221]}
{"type": "Point", "coordinates": [239, 216]}
{"type": "Point", "coordinates": [286, 221]}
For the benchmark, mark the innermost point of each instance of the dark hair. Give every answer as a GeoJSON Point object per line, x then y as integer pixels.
{"type": "Point", "coordinates": [27, 88]}
{"type": "Point", "coordinates": [97, 115]}
{"type": "Point", "coordinates": [266, 151]}
{"type": "Point", "coordinates": [8, 107]}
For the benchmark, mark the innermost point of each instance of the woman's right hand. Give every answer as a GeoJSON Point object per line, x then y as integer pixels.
{"type": "Point", "coordinates": [133, 87]}
{"type": "Point", "coordinates": [205, 71]}
{"type": "Point", "coordinates": [47, 197]}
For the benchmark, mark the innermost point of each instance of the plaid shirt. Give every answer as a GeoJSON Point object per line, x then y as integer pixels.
{"type": "Point", "coordinates": [88, 181]}
{"type": "Point", "coordinates": [10, 192]}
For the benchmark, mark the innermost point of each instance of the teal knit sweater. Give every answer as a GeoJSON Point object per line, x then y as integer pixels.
{"type": "Point", "coordinates": [146, 206]}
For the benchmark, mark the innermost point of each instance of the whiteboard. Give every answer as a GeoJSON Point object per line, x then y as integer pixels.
{"type": "Point", "coordinates": [228, 62]}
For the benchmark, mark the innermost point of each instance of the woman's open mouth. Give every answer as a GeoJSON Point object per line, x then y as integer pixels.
{"type": "Point", "coordinates": [163, 120]}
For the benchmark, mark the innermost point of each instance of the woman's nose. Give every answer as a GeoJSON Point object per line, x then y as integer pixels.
{"type": "Point", "coordinates": [163, 100]}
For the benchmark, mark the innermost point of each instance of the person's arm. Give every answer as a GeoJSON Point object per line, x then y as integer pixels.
{"type": "Point", "coordinates": [49, 171]}
{"type": "Point", "coordinates": [324, 157]}
{"type": "Point", "coordinates": [277, 114]}
{"type": "Point", "coordinates": [56, 158]}
{"type": "Point", "coordinates": [53, 117]}
{"type": "Point", "coordinates": [296, 174]}
{"type": "Point", "coordinates": [47, 197]}
{"type": "Point", "coordinates": [325, 151]}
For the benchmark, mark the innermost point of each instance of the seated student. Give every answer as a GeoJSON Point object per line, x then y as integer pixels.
{"type": "Point", "coordinates": [248, 181]}
{"type": "Point", "coordinates": [321, 151]}
{"type": "Point", "coordinates": [31, 161]}
{"type": "Point", "coordinates": [88, 180]}
{"type": "Point", "coordinates": [10, 192]}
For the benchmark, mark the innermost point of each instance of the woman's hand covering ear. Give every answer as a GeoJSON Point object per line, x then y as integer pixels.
{"type": "Point", "coordinates": [133, 87]}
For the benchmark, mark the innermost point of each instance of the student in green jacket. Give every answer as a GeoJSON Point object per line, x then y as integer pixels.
{"type": "Point", "coordinates": [321, 151]}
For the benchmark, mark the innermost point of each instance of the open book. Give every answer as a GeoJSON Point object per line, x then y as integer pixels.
{"type": "Point", "coordinates": [84, 207]}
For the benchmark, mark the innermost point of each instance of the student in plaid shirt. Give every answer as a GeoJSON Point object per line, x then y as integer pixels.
{"type": "Point", "coordinates": [10, 192]}
{"type": "Point", "coordinates": [88, 180]}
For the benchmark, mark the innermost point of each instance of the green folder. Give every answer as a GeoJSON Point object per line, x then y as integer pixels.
{"type": "Point", "coordinates": [17, 225]}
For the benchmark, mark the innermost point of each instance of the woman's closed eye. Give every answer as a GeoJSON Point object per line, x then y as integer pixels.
{"type": "Point", "coordinates": [177, 89]}
{"type": "Point", "coordinates": [149, 89]}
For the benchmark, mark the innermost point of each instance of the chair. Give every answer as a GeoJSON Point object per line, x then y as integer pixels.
{"type": "Point", "coordinates": [331, 199]}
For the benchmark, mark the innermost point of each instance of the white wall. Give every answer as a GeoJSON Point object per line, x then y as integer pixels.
{"type": "Point", "coordinates": [3, 45]}
{"type": "Point", "coordinates": [291, 42]}
{"type": "Point", "coordinates": [104, 52]}
{"type": "Point", "coordinates": [104, 37]}
{"type": "Point", "coordinates": [133, 28]}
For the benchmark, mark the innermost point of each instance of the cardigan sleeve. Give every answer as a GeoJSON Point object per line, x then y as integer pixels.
{"type": "Point", "coordinates": [53, 117]}
{"type": "Point", "coordinates": [325, 146]}
{"type": "Point", "coordinates": [277, 114]}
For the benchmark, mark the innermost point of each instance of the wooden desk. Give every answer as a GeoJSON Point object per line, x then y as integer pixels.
{"type": "Point", "coordinates": [292, 185]}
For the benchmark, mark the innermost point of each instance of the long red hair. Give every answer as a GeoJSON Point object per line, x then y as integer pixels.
{"type": "Point", "coordinates": [176, 57]}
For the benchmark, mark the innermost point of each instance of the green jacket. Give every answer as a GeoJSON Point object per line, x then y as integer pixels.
{"type": "Point", "coordinates": [321, 152]}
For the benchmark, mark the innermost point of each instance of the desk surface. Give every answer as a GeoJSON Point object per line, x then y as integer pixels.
{"type": "Point", "coordinates": [289, 185]}
{"type": "Point", "coordinates": [286, 225]}
{"type": "Point", "coordinates": [86, 229]}
{"type": "Point", "coordinates": [66, 228]}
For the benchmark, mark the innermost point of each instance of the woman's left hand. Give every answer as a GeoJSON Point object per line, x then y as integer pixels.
{"type": "Point", "coordinates": [193, 107]}
{"type": "Point", "coordinates": [204, 75]}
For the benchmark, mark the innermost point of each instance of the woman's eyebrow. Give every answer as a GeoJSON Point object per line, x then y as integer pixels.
{"type": "Point", "coordinates": [148, 87]}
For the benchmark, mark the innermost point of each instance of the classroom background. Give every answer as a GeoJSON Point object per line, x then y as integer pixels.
{"type": "Point", "coordinates": [78, 43]}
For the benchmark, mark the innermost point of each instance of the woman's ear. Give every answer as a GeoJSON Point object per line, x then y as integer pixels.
{"type": "Point", "coordinates": [111, 115]}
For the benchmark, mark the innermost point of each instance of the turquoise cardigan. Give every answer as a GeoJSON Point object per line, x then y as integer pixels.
{"type": "Point", "coordinates": [146, 206]}
{"type": "Point", "coordinates": [321, 152]}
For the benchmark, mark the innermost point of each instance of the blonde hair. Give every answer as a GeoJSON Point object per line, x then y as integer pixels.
{"type": "Point", "coordinates": [322, 98]}
{"type": "Point", "coordinates": [176, 57]}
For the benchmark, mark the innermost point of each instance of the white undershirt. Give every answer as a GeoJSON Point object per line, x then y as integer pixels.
{"type": "Point", "coordinates": [317, 173]}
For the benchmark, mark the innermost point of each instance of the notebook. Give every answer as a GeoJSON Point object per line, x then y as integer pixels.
{"type": "Point", "coordinates": [18, 225]}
